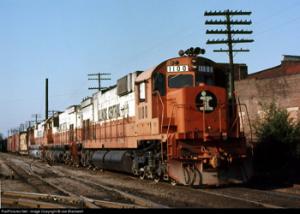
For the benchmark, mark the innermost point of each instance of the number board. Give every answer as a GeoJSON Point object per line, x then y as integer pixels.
{"type": "Point", "coordinates": [178, 68]}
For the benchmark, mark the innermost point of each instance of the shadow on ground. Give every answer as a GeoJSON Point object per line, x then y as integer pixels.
{"type": "Point", "coordinates": [285, 176]}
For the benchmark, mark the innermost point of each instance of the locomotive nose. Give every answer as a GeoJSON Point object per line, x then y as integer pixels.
{"type": "Point", "coordinates": [200, 112]}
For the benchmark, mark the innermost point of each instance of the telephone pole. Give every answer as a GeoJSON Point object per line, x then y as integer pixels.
{"type": "Point", "coordinates": [36, 116]}
{"type": "Point", "coordinates": [28, 123]}
{"type": "Point", "coordinates": [230, 41]}
{"type": "Point", "coordinates": [52, 112]}
{"type": "Point", "coordinates": [99, 77]}
{"type": "Point", "coordinates": [46, 99]}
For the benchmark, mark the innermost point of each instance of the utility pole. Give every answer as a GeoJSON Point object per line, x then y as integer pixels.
{"type": "Point", "coordinates": [21, 127]}
{"type": "Point", "coordinates": [28, 123]}
{"type": "Point", "coordinates": [46, 99]}
{"type": "Point", "coordinates": [36, 116]}
{"type": "Point", "coordinates": [229, 41]}
{"type": "Point", "coordinates": [52, 112]}
{"type": "Point", "coordinates": [99, 78]}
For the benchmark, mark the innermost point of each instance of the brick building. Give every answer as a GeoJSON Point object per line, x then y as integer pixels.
{"type": "Point", "coordinates": [280, 83]}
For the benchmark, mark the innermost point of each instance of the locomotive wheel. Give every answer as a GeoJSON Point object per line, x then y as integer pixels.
{"type": "Point", "coordinates": [83, 159]}
{"type": "Point", "coordinates": [194, 176]}
{"type": "Point", "coordinates": [173, 182]}
{"type": "Point", "coordinates": [142, 175]}
{"type": "Point", "coordinates": [187, 177]}
{"type": "Point", "coordinates": [200, 175]}
{"type": "Point", "coordinates": [156, 180]}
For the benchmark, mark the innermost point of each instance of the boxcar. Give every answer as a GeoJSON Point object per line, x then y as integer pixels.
{"type": "Point", "coordinates": [3, 145]}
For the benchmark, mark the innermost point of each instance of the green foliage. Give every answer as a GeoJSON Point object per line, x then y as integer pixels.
{"type": "Point", "coordinates": [276, 126]}
{"type": "Point", "coordinates": [277, 135]}
{"type": "Point", "coordinates": [1, 136]}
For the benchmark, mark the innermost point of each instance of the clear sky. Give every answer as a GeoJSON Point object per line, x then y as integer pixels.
{"type": "Point", "coordinates": [65, 40]}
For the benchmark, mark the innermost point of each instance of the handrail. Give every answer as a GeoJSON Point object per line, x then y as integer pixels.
{"type": "Point", "coordinates": [233, 124]}
{"type": "Point", "coordinates": [162, 121]}
{"type": "Point", "coordinates": [250, 126]}
{"type": "Point", "coordinates": [242, 117]}
{"type": "Point", "coordinates": [203, 123]}
{"type": "Point", "coordinates": [220, 119]}
{"type": "Point", "coordinates": [169, 124]}
{"type": "Point", "coordinates": [163, 110]}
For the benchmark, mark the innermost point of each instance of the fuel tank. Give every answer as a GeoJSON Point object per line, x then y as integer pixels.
{"type": "Point", "coordinates": [35, 152]}
{"type": "Point", "coordinates": [120, 160]}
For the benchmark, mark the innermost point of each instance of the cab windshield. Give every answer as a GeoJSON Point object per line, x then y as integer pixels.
{"type": "Point", "coordinates": [180, 81]}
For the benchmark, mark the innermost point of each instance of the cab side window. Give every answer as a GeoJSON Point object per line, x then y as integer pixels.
{"type": "Point", "coordinates": [159, 83]}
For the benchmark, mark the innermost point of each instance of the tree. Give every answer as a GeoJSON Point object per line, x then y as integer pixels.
{"type": "Point", "coordinates": [278, 136]}
{"type": "Point", "coordinates": [1, 136]}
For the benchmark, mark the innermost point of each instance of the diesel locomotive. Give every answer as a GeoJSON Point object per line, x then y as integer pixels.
{"type": "Point", "coordinates": [173, 122]}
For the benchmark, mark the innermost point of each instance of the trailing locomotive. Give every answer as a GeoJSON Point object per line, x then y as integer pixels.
{"type": "Point", "coordinates": [170, 122]}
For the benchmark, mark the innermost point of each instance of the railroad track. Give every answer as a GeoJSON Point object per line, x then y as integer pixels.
{"type": "Point", "coordinates": [261, 198]}
{"type": "Point", "coordinates": [86, 202]}
{"type": "Point", "coordinates": [35, 182]}
{"type": "Point", "coordinates": [139, 201]}
{"type": "Point", "coordinates": [234, 196]}
{"type": "Point", "coordinates": [37, 200]}
{"type": "Point", "coordinates": [215, 192]}
{"type": "Point", "coordinates": [267, 199]}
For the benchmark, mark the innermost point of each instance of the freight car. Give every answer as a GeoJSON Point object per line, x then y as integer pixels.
{"type": "Point", "coordinates": [17, 142]}
{"type": "Point", "coordinates": [3, 145]}
{"type": "Point", "coordinates": [13, 143]}
{"type": "Point", "coordinates": [170, 122]}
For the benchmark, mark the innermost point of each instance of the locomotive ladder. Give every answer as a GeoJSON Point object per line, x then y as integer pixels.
{"type": "Point", "coordinates": [170, 146]}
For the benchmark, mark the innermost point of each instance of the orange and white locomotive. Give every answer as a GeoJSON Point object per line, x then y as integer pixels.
{"type": "Point", "coordinates": [170, 122]}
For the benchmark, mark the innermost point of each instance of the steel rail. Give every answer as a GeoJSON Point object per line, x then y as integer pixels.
{"type": "Point", "coordinates": [135, 199]}
{"type": "Point", "coordinates": [11, 197]}
{"type": "Point", "coordinates": [86, 203]}
{"type": "Point", "coordinates": [45, 197]}
{"type": "Point", "coordinates": [266, 205]}
{"type": "Point", "coordinates": [142, 202]}
{"type": "Point", "coordinates": [91, 203]}
{"type": "Point", "coordinates": [29, 203]}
